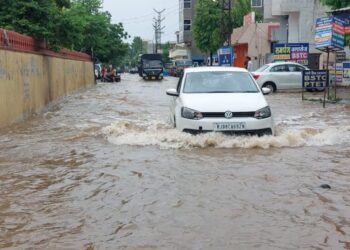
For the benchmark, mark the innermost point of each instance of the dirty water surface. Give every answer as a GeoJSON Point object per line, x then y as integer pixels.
{"type": "Point", "coordinates": [104, 169]}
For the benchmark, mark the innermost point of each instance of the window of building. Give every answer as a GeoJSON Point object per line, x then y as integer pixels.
{"type": "Point", "coordinates": [187, 25]}
{"type": "Point", "coordinates": [257, 3]}
{"type": "Point", "coordinates": [187, 4]}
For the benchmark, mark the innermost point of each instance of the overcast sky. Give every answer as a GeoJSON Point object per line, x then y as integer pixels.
{"type": "Point", "coordinates": [137, 16]}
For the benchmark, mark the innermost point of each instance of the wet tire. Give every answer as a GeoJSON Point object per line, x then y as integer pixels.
{"type": "Point", "coordinates": [271, 86]}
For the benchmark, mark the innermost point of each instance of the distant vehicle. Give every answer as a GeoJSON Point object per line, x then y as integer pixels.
{"type": "Point", "coordinates": [97, 71]}
{"type": "Point", "coordinates": [223, 99]}
{"type": "Point", "coordinates": [133, 71]}
{"type": "Point", "coordinates": [151, 67]}
{"type": "Point", "coordinates": [280, 75]}
{"type": "Point", "coordinates": [180, 65]}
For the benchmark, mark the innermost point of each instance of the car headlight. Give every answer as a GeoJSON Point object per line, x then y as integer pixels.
{"type": "Point", "coordinates": [263, 113]}
{"type": "Point", "coordinates": [191, 114]}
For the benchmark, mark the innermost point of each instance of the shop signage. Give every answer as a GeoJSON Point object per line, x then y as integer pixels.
{"type": "Point", "coordinates": [226, 56]}
{"type": "Point", "coordinates": [315, 79]}
{"type": "Point", "coordinates": [330, 32]}
{"type": "Point", "coordinates": [291, 52]}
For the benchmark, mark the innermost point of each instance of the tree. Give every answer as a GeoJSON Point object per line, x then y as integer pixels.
{"type": "Point", "coordinates": [137, 47]}
{"type": "Point", "coordinates": [166, 50]}
{"type": "Point", "coordinates": [206, 28]}
{"type": "Point", "coordinates": [336, 4]}
{"type": "Point", "coordinates": [75, 24]}
{"type": "Point", "coordinates": [242, 8]}
{"type": "Point", "coordinates": [36, 18]}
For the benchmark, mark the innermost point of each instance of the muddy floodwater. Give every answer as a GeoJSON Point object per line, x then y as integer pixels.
{"type": "Point", "coordinates": [103, 169]}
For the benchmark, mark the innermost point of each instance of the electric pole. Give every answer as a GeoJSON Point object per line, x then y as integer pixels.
{"type": "Point", "coordinates": [158, 29]}
{"type": "Point", "coordinates": [226, 21]}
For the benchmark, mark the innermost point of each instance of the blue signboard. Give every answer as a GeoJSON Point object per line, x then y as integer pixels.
{"type": "Point", "coordinates": [225, 56]}
{"type": "Point", "coordinates": [329, 33]}
{"type": "Point", "coordinates": [291, 52]}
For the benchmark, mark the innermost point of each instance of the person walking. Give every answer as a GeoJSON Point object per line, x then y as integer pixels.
{"type": "Point", "coordinates": [249, 64]}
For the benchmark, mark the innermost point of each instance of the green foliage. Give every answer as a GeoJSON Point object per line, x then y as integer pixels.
{"type": "Point", "coordinates": [206, 28]}
{"type": "Point", "coordinates": [75, 24]}
{"type": "Point", "coordinates": [137, 47]}
{"type": "Point", "coordinates": [336, 4]}
{"type": "Point", "coordinates": [242, 8]}
{"type": "Point", "coordinates": [166, 50]}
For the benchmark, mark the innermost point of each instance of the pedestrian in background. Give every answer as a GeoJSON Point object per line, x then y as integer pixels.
{"type": "Point", "coordinates": [103, 73]}
{"type": "Point", "coordinates": [248, 64]}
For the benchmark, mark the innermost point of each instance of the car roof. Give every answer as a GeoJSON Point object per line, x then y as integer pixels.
{"type": "Point", "coordinates": [215, 69]}
{"type": "Point", "coordinates": [283, 63]}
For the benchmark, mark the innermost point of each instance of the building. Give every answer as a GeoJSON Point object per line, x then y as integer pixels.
{"type": "Point", "coordinates": [253, 40]}
{"type": "Point", "coordinates": [297, 20]}
{"type": "Point", "coordinates": [187, 12]}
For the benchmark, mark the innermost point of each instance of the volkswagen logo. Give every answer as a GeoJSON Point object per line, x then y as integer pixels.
{"type": "Point", "coordinates": [228, 115]}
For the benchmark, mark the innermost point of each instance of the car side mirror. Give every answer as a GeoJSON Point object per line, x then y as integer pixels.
{"type": "Point", "coordinates": [266, 91]}
{"type": "Point", "coordinates": [172, 92]}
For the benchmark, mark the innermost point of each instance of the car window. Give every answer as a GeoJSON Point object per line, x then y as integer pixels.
{"type": "Point", "coordinates": [219, 82]}
{"type": "Point", "coordinates": [280, 68]}
{"type": "Point", "coordinates": [263, 68]}
{"type": "Point", "coordinates": [295, 68]}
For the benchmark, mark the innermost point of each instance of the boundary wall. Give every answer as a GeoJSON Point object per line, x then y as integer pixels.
{"type": "Point", "coordinates": [32, 76]}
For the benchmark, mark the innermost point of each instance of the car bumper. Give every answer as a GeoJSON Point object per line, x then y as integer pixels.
{"type": "Point", "coordinates": [252, 125]}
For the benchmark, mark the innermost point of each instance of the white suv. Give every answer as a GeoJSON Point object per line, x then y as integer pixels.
{"type": "Point", "coordinates": [280, 75]}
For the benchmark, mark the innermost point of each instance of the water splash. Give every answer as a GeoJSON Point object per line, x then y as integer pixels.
{"type": "Point", "coordinates": [161, 134]}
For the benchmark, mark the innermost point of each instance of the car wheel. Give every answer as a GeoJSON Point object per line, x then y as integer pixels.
{"type": "Point", "coordinates": [270, 85]}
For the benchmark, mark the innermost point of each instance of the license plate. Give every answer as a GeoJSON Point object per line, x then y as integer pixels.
{"type": "Point", "coordinates": [229, 126]}
{"type": "Point", "coordinates": [153, 77]}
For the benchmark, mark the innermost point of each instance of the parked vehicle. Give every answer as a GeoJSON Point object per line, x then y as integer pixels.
{"type": "Point", "coordinates": [151, 67]}
{"type": "Point", "coordinates": [180, 65]}
{"type": "Point", "coordinates": [220, 99]}
{"type": "Point", "coordinates": [280, 75]}
{"type": "Point", "coordinates": [97, 71]}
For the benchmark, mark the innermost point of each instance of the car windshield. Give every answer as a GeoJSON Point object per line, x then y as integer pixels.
{"type": "Point", "coordinates": [262, 68]}
{"type": "Point", "coordinates": [219, 82]}
{"type": "Point", "coordinates": [152, 63]}
{"type": "Point", "coordinates": [183, 63]}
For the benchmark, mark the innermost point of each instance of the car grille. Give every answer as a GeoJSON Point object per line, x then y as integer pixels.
{"type": "Point", "coordinates": [222, 114]}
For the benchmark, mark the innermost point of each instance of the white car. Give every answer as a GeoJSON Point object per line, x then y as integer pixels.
{"type": "Point", "coordinates": [220, 99]}
{"type": "Point", "coordinates": [280, 75]}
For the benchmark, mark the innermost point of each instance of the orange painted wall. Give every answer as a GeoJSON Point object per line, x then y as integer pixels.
{"type": "Point", "coordinates": [241, 52]}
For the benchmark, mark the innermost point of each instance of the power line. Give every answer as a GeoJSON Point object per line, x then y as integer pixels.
{"type": "Point", "coordinates": [158, 29]}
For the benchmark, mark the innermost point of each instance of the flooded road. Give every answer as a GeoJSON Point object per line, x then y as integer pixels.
{"type": "Point", "coordinates": [103, 169]}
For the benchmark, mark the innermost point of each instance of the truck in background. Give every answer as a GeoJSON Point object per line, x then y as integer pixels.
{"type": "Point", "coordinates": [151, 67]}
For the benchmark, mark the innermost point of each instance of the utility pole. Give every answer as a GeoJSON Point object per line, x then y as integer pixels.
{"type": "Point", "coordinates": [158, 29]}
{"type": "Point", "coordinates": [226, 22]}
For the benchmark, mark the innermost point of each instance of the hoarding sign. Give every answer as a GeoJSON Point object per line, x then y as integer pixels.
{"type": "Point", "coordinates": [323, 36]}
{"type": "Point", "coordinates": [315, 79]}
{"type": "Point", "coordinates": [346, 70]}
{"type": "Point", "coordinates": [330, 32]}
{"type": "Point", "coordinates": [339, 72]}
{"type": "Point", "coordinates": [345, 17]}
{"type": "Point", "coordinates": [291, 52]}
{"type": "Point", "coordinates": [225, 56]}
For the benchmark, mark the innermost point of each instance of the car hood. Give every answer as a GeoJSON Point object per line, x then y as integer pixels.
{"type": "Point", "coordinates": [222, 102]}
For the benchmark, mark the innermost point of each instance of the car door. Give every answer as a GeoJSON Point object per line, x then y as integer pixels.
{"type": "Point", "coordinates": [176, 101]}
{"type": "Point", "coordinates": [279, 74]}
{"type": "Point", "coordinates": [296, 76]}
